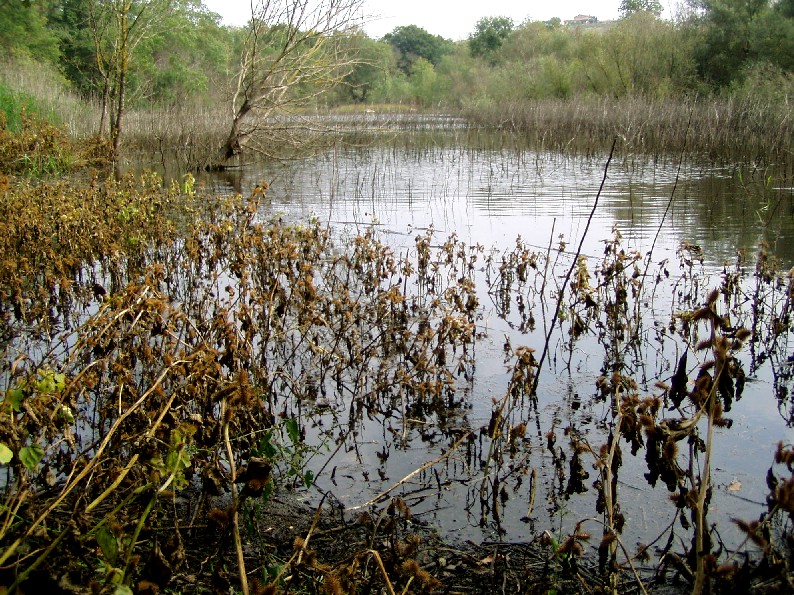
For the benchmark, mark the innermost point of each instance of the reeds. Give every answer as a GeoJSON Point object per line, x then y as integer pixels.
{"type": "Point", "coordinates": [732, 129]}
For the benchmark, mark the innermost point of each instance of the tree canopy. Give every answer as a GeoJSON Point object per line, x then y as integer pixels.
{"type": "Point", "coordinates": [412, 42]}
{"type": "Point", "coordinates": [489, 35]}
{"type": "Point", "coordinates": [629, 7]}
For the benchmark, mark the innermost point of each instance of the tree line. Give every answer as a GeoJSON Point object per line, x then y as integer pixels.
{"type": "Point", "coordinates": [140, 53]}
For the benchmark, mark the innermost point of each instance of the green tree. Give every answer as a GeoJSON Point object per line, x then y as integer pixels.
{"type": "Point", "coordinates": [25, 30]}
{"type": "Point", "coordinates": [630, 7]}
{"type": "Point", "coordinates": [532, 40]}
{"type": "Point", "coordinates": [488, 37]}
{"type": "Point", "coordinates": [78, 48]}
{"type": "Point", "coordinates": [188, 61]}
{"type": "Point", "coordinates": [376, 63]}
{"type": "Point", "coordinates": [412, 42]}
{"type": "Point", "coordinates": [424, 78]}
{"type": "Point", "coordinates": [463, 79]}
{"type": "Point", "coordinates": [641, 54]}
{"type": "Point", "coordinates": [734, 34]}
{"type": "Point", "coordinates": [772, 36]}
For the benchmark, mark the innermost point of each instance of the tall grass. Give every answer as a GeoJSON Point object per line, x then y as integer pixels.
{"type": "Point", "coordinates": [44, 93]}
{"type": "Point", "coordinates": [13, 105]}
{"type": "Point", "coordinates": [746, 129]}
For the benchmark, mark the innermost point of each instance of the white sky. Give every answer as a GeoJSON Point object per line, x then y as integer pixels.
{"type": "Point", "coordinates": [452, 19]}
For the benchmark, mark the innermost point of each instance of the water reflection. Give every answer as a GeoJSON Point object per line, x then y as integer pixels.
{"type": "Point", "coordinates": [492, 195]}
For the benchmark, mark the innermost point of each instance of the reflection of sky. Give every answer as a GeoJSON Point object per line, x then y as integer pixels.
{"type": "Point", "coordinates": [492, 196]}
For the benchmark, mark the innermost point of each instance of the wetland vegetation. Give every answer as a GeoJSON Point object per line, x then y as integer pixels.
{"type": "Point", "coordinates": [540, 344]}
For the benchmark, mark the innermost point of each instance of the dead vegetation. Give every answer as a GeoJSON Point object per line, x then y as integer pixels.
{"type": "Point", "coordinates": [166, 352]}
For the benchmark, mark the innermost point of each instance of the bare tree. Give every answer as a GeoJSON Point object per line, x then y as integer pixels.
{"type": "Point", "coordinates": [295, 51]}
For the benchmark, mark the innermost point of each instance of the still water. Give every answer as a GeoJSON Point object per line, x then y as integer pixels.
{"type": "Point", "coordinates": [491, 195]}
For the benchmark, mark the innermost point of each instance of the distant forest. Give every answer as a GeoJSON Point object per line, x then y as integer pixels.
{"type": "Point", "coordinates": [175, 57]}
{"type": "Point", "coordinates": [185, 56]}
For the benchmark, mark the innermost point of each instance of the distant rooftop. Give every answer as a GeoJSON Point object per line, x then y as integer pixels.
{"type": "Point", "coordinates": [582, 19]}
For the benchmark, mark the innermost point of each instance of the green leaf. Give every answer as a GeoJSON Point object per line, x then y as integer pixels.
{"type": "Point", "coordinates": [122, 590]}
{"type": "Point", "coordinates": [66, 413]}
{"type": "Point", "coordinates": [292, 430]}
{"type": "Point", "coordinates": [49, 382]}
{"type": "Point", "coordinates": [30, 456]}
{"type": "Point", "coordinates": [266, 447]}
{"type": "Point", "coordinates": [45, 384]}
{"type": "Point", "coordinates": [308, 478]}
{"type": "Point", "coordinates": [60, 382]}
{"type": "Point", "coordinates": [6, 454]}
{"type": "Point", "coordinates": [14, 397]}
{"type": "Point", "coordinates": [108, 544]}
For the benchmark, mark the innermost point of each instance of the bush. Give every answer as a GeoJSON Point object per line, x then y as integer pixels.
{"type": "Point", "coordinates": [38, 148]}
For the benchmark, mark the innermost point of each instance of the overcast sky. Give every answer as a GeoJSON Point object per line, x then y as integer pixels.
{"type": "Point", "coordinates": [453, 19]}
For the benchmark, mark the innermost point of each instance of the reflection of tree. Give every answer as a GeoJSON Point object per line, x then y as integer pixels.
{"type": "Point", "coordinates": [723, 215]}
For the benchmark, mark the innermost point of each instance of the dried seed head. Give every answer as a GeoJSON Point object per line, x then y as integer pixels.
{"type": "Point", "coordinates": [332, 586]}
{"type": "Point", "coordinates": [753, 532]}
{"type": "Point", "coordinates": [582, 536]}
{"type": "Point", "coordinates": [642, 553]}
{"type": "Point", "coordinates": [704, 345]}
{"type": "Point", "coordinates": [219, 518]}
{"type": "Point", "coordinates": [607, 539]}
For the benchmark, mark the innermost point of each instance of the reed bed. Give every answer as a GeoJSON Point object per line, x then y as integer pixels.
{"type": "Point", "coordinates": [731, 129]}
{"type": "Point", "coordinates": [51, 94]}
{"type": "Point", "coordinates": [745, 129]}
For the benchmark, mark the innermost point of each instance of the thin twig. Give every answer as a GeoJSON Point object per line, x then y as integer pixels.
{"type": "Point", "coordinates": [427, 465]}
{"type": "Point", "coordinates": [574, 263]}
{"type": "Point", "coordinates": [238, 543]}
{"type": "Point", "coordinates": [376, 555]}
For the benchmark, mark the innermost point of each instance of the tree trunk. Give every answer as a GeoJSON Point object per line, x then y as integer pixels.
{"type": "Point", "coordinates": [234, 142]}
{"type": "Point", "coordinates": [103, 118]}
{"type": "Point", "coordinates": [123, 64]}
{"type": "Point", "coordinates": [120, 111]}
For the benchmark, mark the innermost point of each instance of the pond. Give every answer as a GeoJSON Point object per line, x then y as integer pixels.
{"type": "Point", "coordinates": [697, 225]}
